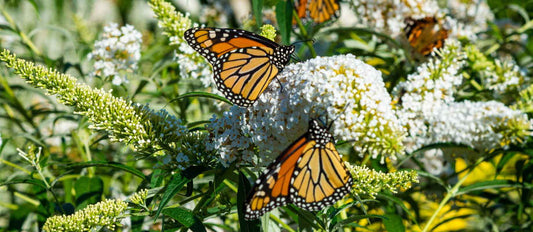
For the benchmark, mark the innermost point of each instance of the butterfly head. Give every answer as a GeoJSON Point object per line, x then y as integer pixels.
{"type": "Point", "coordinates": [282, 55]}
{"type": "Point", "coordinates": [319, 133]}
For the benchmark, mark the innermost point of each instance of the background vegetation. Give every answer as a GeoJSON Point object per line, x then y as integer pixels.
{"type": "Point", "coordinates": [60, 155]}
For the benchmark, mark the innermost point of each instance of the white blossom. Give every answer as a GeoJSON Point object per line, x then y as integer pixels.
{"type": "Point", "coordinates": [431, 114]}
{"type": "Point", "coordinates": [468, 18]}
{"type": "Point", "coordinates": [435, 162]}
{"type": "Point", "coordinates": [505, 76]}
{"type": "Point", "coordinates": [388, 16]}
{"type": "Point", "coordinates": [341, 90]}
{"type": "Point", "coordinates": [424, 91]}
{"type": "Point", "coordinates": [118, 51]}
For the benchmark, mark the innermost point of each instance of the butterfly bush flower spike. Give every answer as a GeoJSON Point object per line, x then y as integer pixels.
{"type": "Point", "coordinates": [480, 125]}
{"type": "Point", "coordinates": [268, 31]}
{"type": "Point", "coordinates": [190, 151]}
{"type": "Point", "coordinates": [104, 214]}
{"type": "Point", "coordinates": [388, 16]}
{"type": "Point", "coordinates": [431, 115]}
{"type": "Point", "coordinates": [340, 88]}
{"type": "Point", "coordinates": [145, 129]}
{"type": "Point", "coordinates": [425, 91]}
{"type": "Point", "coordinates": [369, 182]}
{"type": "Point", "coordinates": [116, 53]}
{"type": "Point", "coordinates": [499, 75]}
{"type": "Point", "coordinates": [174, 24]}
{"type": "Point", "coordinates": [464, 19]}
{"type": "Point", "coordinates": [139, 198]}
{"type": "Point", "coordinates": [468, 18]}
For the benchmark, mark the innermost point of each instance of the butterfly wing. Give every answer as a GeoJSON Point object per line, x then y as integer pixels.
{"type": "Point", "coordinates": [320, 178]}
{"type": "Point", "coordinates": [425, 34]}
{"type": "Point", "coordinates": [318, 10]}
{"type": "Point", "coordinates": [243, 74]}
{"type": "Point", "coordinates": [212, 43]}
{"type": "Point", "coordinates": [272, 188]}
{"type": "Point", "coordinates": [243, 63]}
{"type": "Point", "coordinates": [309, 173]}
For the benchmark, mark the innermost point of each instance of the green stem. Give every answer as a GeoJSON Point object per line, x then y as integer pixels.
{"type": "Point", "coordinates": [305, 35]}
{"type": "Point", "coordinates": [451, 194]}
{"type": "Point", "coordinates": [19, 107]}
{"type": "Point", "coordinates": [22, 35]}
{"type": "Point", "coordinates": [283, 224]}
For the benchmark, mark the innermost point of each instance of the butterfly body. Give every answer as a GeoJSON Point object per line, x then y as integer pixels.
{"type": "Point", "coordinates": [309, 173]}
{"type": "Point", "coordinates": [243, 63]}
{"type": "Point", "coordinates": [425, 34]}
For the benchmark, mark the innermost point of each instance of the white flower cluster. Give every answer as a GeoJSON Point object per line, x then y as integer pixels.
{"type": "Point", "coordinates": [426, 90]}
{"type": "Point", "coordinates": [480, 125]}
{"type": "Point", "coordinates": [216, 11]}
{"type": "Point", "coordinates": [431, 114]}
{"type": "Point", "coordinates": [435, 162]}
{"type": "Point", "coordinates": [388, 16]}
{"type": "Point", "coordinates": [191, 64]}
{"type": "Point", "coordinates": [104, 214]}
{"type": "Point", "coordinates": [370, 182]}
{"type": "Point", "coordinates": [191, 151]}
{"type": "Point", "coordinates": [468, 17]}
{"type": "Point", "coordinates": [505, 77]}
{"type": "Point", "coordinates": [340, 89]}
{"type": "Point", "coordinates": [117, 51]}
{"type": "Point", "coordinates": [464, 18]}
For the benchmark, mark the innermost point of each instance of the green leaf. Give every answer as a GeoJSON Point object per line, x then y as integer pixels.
{"type": "Point", "coordinates": [284, 17]}
{"type": "Point", "coordinates": [393, 223]}
{"type": "Point", "coordinates": [156, 178]}
{"type": "Point", "coordinates": [349, 220]}
{"type": "Point", "coordinates": [492, 184]}
{"type": "Point", "coordinates": [89, 190]}
{"type": "Point", "coordinates": [23, 181]}
{"type": "Point", "coordinates": [202, 94]}
{"type": "Point", "coordinates": [257, 8]}
{"type": "Point", "coordinates": [399, 202]}
{"type": "Point", "coordinates": [520, 10]}
{"type": "Point", "coordinates": [107, 164]}
{"type": "Point", "coordinates": [242, 193]}
{"type": "Point", "coordinates": [186, 218]}
{"type": "Point", "coordinates": [505, 158]}
{"type": "Point", "coordinates": [462, 217]}
{"type": "Point", "coordinates": [176, 184]}
{"type": "Point", "coordinates": [193, 125]}
{"type": "Point", "coordinates": [305, 218]}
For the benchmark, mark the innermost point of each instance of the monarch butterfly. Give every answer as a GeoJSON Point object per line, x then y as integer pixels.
{"type": "Point", "coordinates": [243, 63]}
{"type": "Point", "coordinates": [309, 173]}
{"type": "Point", "coordinates": [425, 34]}
{"type": "Point", "coordinates": [317, 10]}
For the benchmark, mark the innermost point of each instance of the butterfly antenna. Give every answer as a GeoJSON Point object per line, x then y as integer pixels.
{"type": "Point", "coordinates": [296, 57]}
{"type": "Point", "coordinates": [304, 41]}
{"type": "Point", "coordinates": [337, 117]}
{"type": "Point", "coordinates": [280, 85]}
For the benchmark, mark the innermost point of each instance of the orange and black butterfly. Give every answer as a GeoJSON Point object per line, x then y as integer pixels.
{"type": "Point", "coordinates": [309, 173]}
{"type": "Point", "coordinates": [243, 63]}
{"type": "Point", "coordinates": [318, 11]}
{"type": "Point", "coordinates": [425, 34]}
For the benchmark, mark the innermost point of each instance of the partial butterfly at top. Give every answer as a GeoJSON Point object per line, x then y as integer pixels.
{"type": "Point", "coordinates": [318, 11]}
{"type": "Point", "coordinates": [425, 34]}
{"type": "Point", "coordinates": [310, 174]}
{"type": "Point", "coordinates": [243, 63]}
